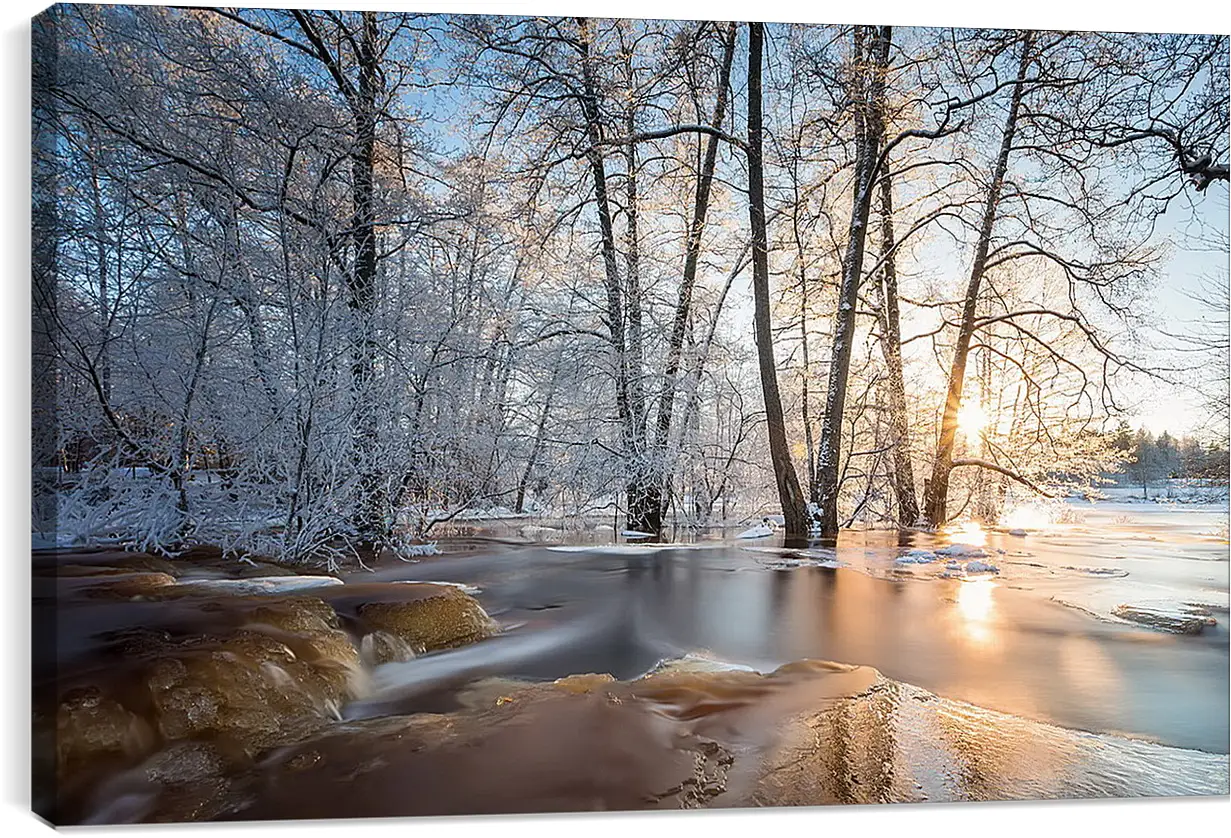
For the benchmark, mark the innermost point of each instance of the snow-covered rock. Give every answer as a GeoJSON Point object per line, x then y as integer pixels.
{"type": "Point", "coordinates": [1101, 572]}
{"type": "Point", "coordinates": [917, 557]}
{"type": "Point", "coordinates": [1185, 622]}
{"type": "Point", "coordinates": [759, 531]}
{"type": "Point", "coordinates": [977, 566]}
{"type": "Point", "coordinates": [968, 551]}
{"type": "Point", "coordinates": [1020, 533]}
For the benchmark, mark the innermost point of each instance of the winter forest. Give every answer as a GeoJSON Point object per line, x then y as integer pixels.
{"type": "Point", "coordinates": [309, 283]}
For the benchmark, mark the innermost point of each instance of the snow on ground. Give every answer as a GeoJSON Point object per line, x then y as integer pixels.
{"type": "Point", "coordinates": [627, 549]}
{"type": "Point", "coordinates": [1176, 491]}
{"type": "Point", "coordinates": [759, 531]}
{"type": "Point", "coordinates": [410, 551]}
{"type": "Point", "coordinates": [469, 589]}
{"type": "Point", "coordinates": [536, 531]}
{"type": "Point", "coordinates": [41, 541]}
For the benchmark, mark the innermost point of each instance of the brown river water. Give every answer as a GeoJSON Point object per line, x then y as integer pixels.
{"type": "Point", "coordinates": [554, 677]}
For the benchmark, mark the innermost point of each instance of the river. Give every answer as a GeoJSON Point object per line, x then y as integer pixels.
{"type": "Point", "coordinates": [1017, 636]}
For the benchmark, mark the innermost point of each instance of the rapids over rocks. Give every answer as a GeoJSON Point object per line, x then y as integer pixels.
{"type": "Point", "coordinates": [501, 677]}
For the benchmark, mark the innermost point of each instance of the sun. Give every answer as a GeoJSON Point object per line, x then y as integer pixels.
{"type": "Point", "coordinates": [972, 419]}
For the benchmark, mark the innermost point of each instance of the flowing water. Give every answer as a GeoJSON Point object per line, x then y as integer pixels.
{"type": "Point", "coordinates": [1012, 642]}
{"type": "Point", "coordinates": [969, 664]}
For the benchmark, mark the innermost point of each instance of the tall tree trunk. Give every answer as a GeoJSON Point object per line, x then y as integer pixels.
{"type": "Point", "coordinates": [540, 436]}
{"type": "Point", "coordinates": [361, 282]}
{"type": "Point", "coordinates": [45, 372]}
{"type": "Point", "coordinates": [644, 496]}
{"type": "Point", "coordinates": [683, 306]}
{"type": "Point", "coordinates": [869, 130]}
{"type": "Point", "coordinates": [936, 493]}
{"type": "Point", "coordinates": [891, 348]}
{"type": "Point", "coordinates": [615, 307]}
{"type": "Point", "coordinates": [790, 495]}
{"type": "Point", "coordinates": [806, 378]}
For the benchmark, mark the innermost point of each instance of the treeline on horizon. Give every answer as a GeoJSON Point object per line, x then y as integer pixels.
{"type": "Point", "coordinates": [1145, 458]}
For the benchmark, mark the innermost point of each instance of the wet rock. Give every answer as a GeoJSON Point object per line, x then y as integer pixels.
{"type": "Point", "coordinates": [184, 763]}
{"type": "Point", "coordinates": [220, 693]}
{"type": "Point", "coordinates": [284, 671]}
{"type": "Point", "coordinates": [104, 563]}
{"type": "Point", "coordinates": [116, 585]}
{"type": "Point", "coordinates": [437, 617]}
{"type": "Point", "coordinates": [1202, 612]}
{"type": "Point", "coordinates": [578, 684]}
{"type": "Point", "coordinates": [186, 781]}
{"type": "Point", "coordinates": [1183, 623]}
{"type": "Point", "coordinates": [809, 733]}
{"type": "Point", "coordinates": [90, 724]}
{"type": "Point", "coordinates": [301, 615]}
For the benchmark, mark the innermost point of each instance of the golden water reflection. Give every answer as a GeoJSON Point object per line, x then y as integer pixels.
{"type": "Point", "coordinates": [976, 608]}
{"type": "Point", "coordinates": [968, 532]}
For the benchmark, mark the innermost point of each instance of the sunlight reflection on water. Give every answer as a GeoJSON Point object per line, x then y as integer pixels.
{"type": "Point", "coordinates": [975, 605]}
{"type": "Point", "coordinates": [969, 532]}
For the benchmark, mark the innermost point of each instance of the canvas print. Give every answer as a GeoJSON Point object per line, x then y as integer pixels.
{"type": "Point", "coordinates": [461, 415]}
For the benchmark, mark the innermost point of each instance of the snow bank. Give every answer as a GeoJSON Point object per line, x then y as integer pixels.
{"type": "Point", "coordinates": [759, 531]}
{"type": "Point", "coordinates": [260, 584]}
{"type": "Point", "coordinates": [612, 549]}
{"type": "Point", "coordinates": [535, 531]}
{"type": "Point", "coordinates": [412, 551]}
